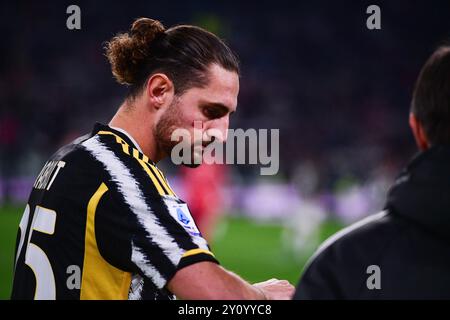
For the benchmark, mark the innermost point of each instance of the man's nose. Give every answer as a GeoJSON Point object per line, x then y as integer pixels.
{"type": "Point", "coordinates": [218, 129]}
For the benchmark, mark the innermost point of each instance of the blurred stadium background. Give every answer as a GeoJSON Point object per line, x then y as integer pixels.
{"type": "Point", "coordinates": [338, 92]}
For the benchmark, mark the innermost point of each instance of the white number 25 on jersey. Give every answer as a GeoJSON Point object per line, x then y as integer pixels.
{"type": "Point", "coordinates": [44, 221]}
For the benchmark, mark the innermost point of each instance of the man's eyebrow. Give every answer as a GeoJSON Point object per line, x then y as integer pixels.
{"type": "Point", "coordinates": [218, 105]}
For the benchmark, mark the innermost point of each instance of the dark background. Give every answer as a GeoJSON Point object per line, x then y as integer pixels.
{"type": "Point", "coordinates": [311, 69]}
{"type": "Point", "coordinates": [339, 93]}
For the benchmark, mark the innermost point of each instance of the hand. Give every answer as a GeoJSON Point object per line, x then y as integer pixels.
{"type": "Point", "coordinates": [275, 289]}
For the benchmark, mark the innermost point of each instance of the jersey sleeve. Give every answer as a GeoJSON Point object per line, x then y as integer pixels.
{"type": "Point", "coordinates": [149, 234]}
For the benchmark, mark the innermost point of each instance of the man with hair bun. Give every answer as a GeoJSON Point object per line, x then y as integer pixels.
{"type": "Point", "coordinates": [102, 222]}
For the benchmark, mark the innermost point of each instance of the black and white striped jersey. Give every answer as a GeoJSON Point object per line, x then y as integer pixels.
{"type": "Point", "coordinates": [102, 222]}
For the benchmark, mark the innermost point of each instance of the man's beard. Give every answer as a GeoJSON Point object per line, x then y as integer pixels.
{"type": "Point", "coordinates": [170, 121]}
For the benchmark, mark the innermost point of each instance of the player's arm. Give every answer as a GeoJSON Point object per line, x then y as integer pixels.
{"type": "Point", "coordinates": [208, 280]}
{"type": "Point", "coordinates": [196, 275]}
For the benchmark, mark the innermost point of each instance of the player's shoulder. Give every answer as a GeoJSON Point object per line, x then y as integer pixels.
{"type": "Point", "coordinates": [127, 167]}
{"type": "Point", "coordinates": [70, 168]}
{"type": "Point", "coordinates": [74, 152]}
{"type": "Point", "coordinates": [88, 153]}
{"type": "Point", "coordinates": [102, 146]}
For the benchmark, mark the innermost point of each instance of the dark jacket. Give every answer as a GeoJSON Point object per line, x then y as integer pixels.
{"type": "Point", "coordinates": [409, 242]}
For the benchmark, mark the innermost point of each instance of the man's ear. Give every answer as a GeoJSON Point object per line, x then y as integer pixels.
{"type": "Point", "coordinates": [418, 132]}
{"type": "Point", "coordinates": [160, 90]}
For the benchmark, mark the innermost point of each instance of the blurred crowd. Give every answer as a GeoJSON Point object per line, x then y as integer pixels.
{"type": "Point", "coordinates": [338, 92]}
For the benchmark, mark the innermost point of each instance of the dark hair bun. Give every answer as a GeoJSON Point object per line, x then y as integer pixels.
{"type": "Point", "coordinates": [127, 52]}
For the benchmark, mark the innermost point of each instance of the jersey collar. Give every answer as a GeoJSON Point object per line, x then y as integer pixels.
{"type": "Point", "coordinates": [120, 132]}
{"type": "Point", "coordinates": [129, 137]}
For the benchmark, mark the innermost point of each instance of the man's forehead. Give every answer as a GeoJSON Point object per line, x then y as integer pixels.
{"type": "Point", "coordinates": [223, 86]}
{"type": "Point", "coordinates": [218, 72]}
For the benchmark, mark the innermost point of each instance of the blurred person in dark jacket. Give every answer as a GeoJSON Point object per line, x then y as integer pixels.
{"type": "Point", "coordinates": [404, 251]}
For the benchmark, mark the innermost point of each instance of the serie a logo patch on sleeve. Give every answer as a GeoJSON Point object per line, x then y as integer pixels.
{"type": "Point", "coordinates": [180, 212]}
